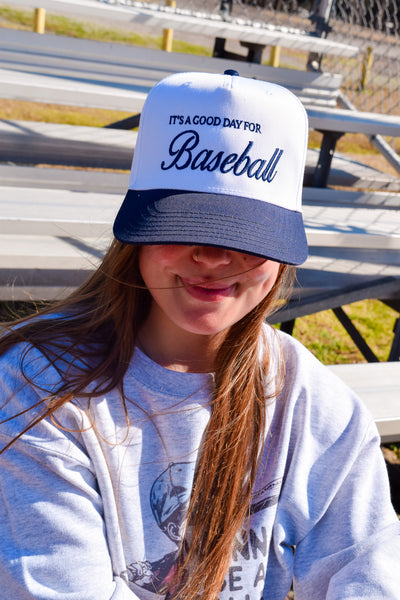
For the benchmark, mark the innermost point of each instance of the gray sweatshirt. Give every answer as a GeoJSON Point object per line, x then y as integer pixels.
{"type": "Point", "coordinates": [98, 515]}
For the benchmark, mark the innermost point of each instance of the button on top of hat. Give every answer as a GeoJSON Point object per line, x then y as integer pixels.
{"type": "Point", "coordinates": [231, 72]}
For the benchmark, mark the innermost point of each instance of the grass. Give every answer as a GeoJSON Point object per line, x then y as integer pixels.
{"type": "Point", "coordinates": [396, 449]}
{"type": "Point", "coordinates": [61, 25]}
{"type": "Point", "coordinates": [21, 110]}
{"type": "Point", "coordinates": [351, 143]}
{"type": "Point", "coordinates": [323, 334]}
{"type": "Point", "coordinates": [15, 310]}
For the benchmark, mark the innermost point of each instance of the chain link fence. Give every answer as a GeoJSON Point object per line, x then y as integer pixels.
{"type": "Point", "coordinates": [371, 80]}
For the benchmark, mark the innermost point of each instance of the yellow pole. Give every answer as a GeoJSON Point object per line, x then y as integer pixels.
{"type": "Point", "coordinates": [275, 56]}
{"type": "Point", "coordinates": [366, 67]}
{"type": "Point", "coordinates": [39, 20]}
{"type": "Point", "coordinates": [168, 34]}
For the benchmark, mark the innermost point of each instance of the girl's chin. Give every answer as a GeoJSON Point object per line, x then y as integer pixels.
{"type": "Point", "coordinates": [205, 326]}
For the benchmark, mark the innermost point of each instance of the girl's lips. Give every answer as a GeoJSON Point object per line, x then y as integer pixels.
{"type": "Point", "coordinates": [210, 292]}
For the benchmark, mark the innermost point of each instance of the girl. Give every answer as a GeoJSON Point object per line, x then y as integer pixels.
{"type": "Point", "coordinates": [159, 439]}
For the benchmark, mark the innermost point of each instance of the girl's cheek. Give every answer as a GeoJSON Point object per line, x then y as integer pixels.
{"type": "Point", "coordinates": [253, 261]}
{"type": "Point", "coordinates": [160, 254]}
{"type": "Point", "coordinates": [267, 273]}
{"type": "Point", "coordinates": [169, 253]}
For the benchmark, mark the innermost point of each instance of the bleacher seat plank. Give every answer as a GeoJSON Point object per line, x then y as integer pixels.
{"type": "Point", "coordinates": [116, 75]}
{"type": "Point", "coordinates": [347, 121]}
{"type": "Point", "coordinates": [326, 224]}
{"type": "Point", "coordinates": [351, 198]}
{"type": "Point", "coordinates": [41, 143]}
{"type": "Point", "coordinates": [81, 180]}
{"type": "Point", "coordinates": [30, 142]}
{"type": "Point", "coordinates": [158, 16]}
{"type": "Point", "coordinates": [56, 212]}
{"type": "Point", "coordinates": [52, 89]}
{"type": "Point", "coordinates": [347, 172]}
{"type": "Point", "coordinates": [378, 385]}
{"type": "Point", "coordinates": [344, 170]}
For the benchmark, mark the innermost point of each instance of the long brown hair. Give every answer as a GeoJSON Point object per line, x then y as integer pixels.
{"type": "Point", "coordinates": [91, 327]}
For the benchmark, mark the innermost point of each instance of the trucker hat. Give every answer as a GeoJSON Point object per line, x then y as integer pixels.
{"type": "Point", "coordinates": [219, 161]}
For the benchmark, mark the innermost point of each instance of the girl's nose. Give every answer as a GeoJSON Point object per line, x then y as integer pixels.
{"type": "Point", "coordinates": [211, 256]}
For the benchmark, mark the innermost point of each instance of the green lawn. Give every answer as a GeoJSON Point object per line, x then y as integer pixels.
{"type": "Point", "coordinates": [60, 25]}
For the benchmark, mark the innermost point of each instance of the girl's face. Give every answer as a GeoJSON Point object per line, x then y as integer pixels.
{"type": "Point", "coordinates": [203, 290]}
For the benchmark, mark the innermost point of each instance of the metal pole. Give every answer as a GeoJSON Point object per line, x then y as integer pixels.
{"type": "Point", "coordinates": [320, 16]}
{"type": "Point", "coordinates": [324, 12]}
{"type": "Point", "coordinates": [39, 20]}
{"type": "Point", "coordinates": [168, 34]}
{"type": "Point", "coordinates": [219, 43]}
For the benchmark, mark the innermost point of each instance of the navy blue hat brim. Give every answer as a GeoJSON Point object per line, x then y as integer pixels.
{"type": "Point", "coordinates": [196, 218]}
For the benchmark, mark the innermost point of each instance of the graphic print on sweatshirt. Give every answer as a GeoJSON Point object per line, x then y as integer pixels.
{"type": "Point", "coordinates": [169, 501]}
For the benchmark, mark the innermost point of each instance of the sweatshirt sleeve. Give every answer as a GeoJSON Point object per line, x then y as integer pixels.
{"type": "Point", "coordinates": [353, 550]}
{"type": "Point", "coordinates": [53, 541]}
{"type": "Point", "coordinates": [335, 511]}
